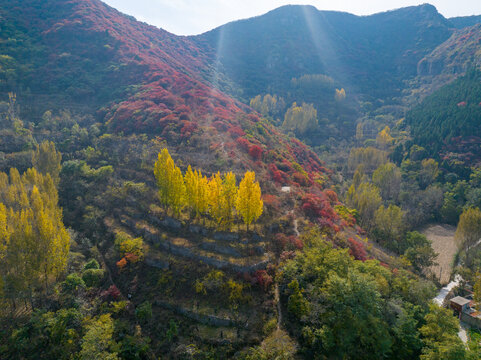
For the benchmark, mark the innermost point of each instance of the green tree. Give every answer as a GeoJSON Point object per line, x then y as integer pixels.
{"type": "Point", "coordinates": [477, 291]}
{"type": "Point", "coordinates": [301, 119]}
{"type": "Point", "coordinates": [468, 231]}
{"type": "Point", "coordinates": [389, 225]}
{"type": "Point", "coordinates": [366, 199]}
{"type": "Point", "coordinates": [387, 178]}
{"type": "Point", "coordinates": [440, 336]}
{"type": "Point", "coordinates": [47, 160]}
{"type": "Point", "coordinates": [419, 251]}
{"type": "Point", "coordinates": [97, 342]}
{"type": "Point", "coordinates": [428, 173]}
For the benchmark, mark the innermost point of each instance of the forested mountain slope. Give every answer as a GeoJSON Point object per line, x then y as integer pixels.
{"type": "Point", "coordinates": [187, 225]}
{"type": "Point", "coordinates": [452, 116]}
{"type": "Point", "coordinates": [368, 54]}
{"type": "Point", "coordinates": [465, 21]}
{"type": "Point", "coordinates": [141, 78]}
{"type": "Point", "coordinates": [454, 56]}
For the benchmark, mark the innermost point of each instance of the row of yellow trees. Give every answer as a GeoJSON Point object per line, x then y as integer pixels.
{"type": "Point", "coordinates": [219, 196]}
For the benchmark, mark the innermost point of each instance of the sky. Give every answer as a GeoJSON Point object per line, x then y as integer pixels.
{"type": "Point", "coordinates": [189, 17]}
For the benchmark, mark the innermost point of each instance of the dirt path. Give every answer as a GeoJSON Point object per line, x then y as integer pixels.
{"type": "Point", "coordinates": [442, 237]}
{"type": "Point", "coordinates": [279, 310]}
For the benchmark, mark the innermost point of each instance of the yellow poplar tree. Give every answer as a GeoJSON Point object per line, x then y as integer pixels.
{"type": "Point", "coordinates": [249, 204]}
{"type": "Point", "coordinates": [170, 182]}
{"type": "Point", "coordinates": [4, 231]}
{"type": "Point", "coordinates": [163, 169]}
{"type": "Point", "coordinates": [215, 198]}
{"type": "Point", "coordinates": [176, 196]}
{"type": "Point", "coordinates": [229, 196]}
{"type": "Point", "coordinates": [196, 191]}
{"type": "Point", "coordinates": [46, 159]}
{"type": "Point", "coordinates": [34, 243]}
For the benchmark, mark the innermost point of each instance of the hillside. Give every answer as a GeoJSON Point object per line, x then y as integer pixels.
{"type": "Point", "coordinates": [454, 56]}
{"type": "Point", "coordinates": [157, 82]}
{"type": "Point", "coordinates": [369, 54]}
{"type": "Point", "coordinates": [465, 21]}
{"type": "Point", "coordinates": [111, 93]}
{"type": "Point", "coordinates": [146, 211]}
{"type": "Point", "coordinates": [452, 116]}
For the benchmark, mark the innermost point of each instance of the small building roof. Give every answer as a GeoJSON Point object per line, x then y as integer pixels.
{"type": "Point", "coordinates": [459, 300]}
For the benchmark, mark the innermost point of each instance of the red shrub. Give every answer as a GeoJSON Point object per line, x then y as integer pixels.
{"type": "Point", "coordinates": [300, 179]}
{"type": "Point", "coordinates": [188, 128]}
{"type": "Point", "coordinates": [357, 250]}
{"type": "Point", "coordinates": [112, 292]}
{"type": "Point", "coordinates": [243, 143]}
{"type": "Point", "coordinates": [277, 175]}
{"type": "Point", "coordinates": [318, 206]}
{"type": "Point", "coordinates": [236, 131]}
{"type": "Point", "coordinates": [131, 258]}
{"type": "Point", "coordinates": [296, 242]}
{"type": "Point", "coordinates": [263, 279]}
{"type": "Point", "coordinates": [280, 242]}
{"type": "Point", "coordinates": [331, 196]}
{"type": "Point", "coordinates": [271, 201]}
{"type": "Point", "coordinates": [255, 152]}
{"type": "Point", "coordinates": [122, 263]}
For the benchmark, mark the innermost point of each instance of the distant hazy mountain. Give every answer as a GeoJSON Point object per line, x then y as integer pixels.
{"type": "Point", "coordinates": [465, 21]}
{"type": "Point", "coordinates": [371, 54]}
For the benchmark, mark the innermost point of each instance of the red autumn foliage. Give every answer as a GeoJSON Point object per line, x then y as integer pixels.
{"type": "Point", "coordinates": [255, 151]}
{"type": "Point", "coordinates": [122, 263]}
{"type": "Point", "coordinates": [280, 242]}
{"type": "Point", "coordinates": [236, 131]}
{"type": "Point", "coordinates": [243, 143]}
{"type": "Point", "coordinates": [287, 255]}
{"type": "Point", "coordinates": [271, 201]}
{"type": "Point", "coordinates": [112, 292]}
{"type": "Point", "coordinates": [462, 104]}
{"type": "Point", "coordinates": [300, 179]}
{"type": "Point", "coordinates": [319, 207]}
{"type": "Point", "coordinates": [331, 196]}
{"type": "Point", "coordinates": [296, 242]}
{"type": "Point", "coordinates": [174, 99]}
{"type": "Point", "coordinates": [263, 279]}
{"type": "Point", "coordinates": [278, 176]}
{"type": "Point", "coordinates": [131, 258]}
{"type": "Point", "coordinates": [188, 128]}
{"type": "Point", "coordinates": [357, 249]}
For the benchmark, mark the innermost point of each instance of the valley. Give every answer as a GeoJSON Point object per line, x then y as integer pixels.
{"type": "Point", "coordinates": [298, 185]}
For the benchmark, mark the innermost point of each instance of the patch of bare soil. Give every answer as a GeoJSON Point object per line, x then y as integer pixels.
{"type": "Point", "coordinates": [442, 237]}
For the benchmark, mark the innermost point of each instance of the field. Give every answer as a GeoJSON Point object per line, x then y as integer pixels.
{"type": "Point", "coordinates": [442, 237]}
